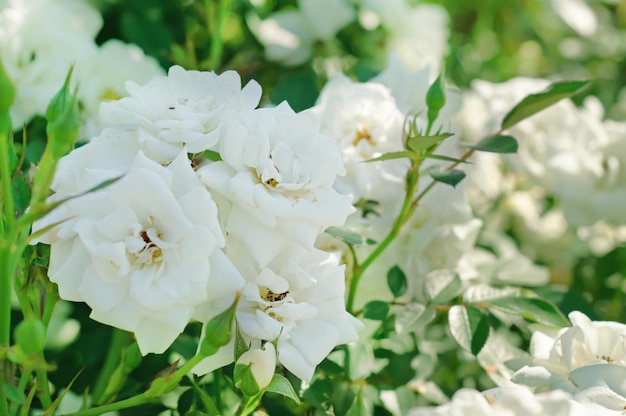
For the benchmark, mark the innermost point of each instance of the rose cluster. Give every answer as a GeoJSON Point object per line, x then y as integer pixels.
{"type": "Point", "coordinates": [210, 197]}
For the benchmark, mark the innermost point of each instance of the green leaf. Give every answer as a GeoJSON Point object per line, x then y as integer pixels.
{"type": "Point", "coordinates": [376, 310]}
{"type": "Point", "coordinates": [346, 235]}
{"type": "Point", "coordinates": [357, 408]}
{"type": "Point", "coordinates": [240, 343]}
{"type": "Point", "coordinates": [445, 158]}
{"type": "Point", "coordinates": [52, 409]}
{"type": "Point", "coordinates": [245, 381]}
{"type": "Point", "coordinates": [496, 144]}
{"type": "Point", "coordinates": [396, 280]}
{"type": "Point", "coordinates": [533, 309]}
{"type": "Point", "coordinates": [412, 317]}
{"type": "Point", "coordinates": [469, 327]}
{"type": "Point", "coordinates": [534, 103]}
{"type": "Point", "coordinates": [14, 394]}
{"type": "Point", "coordinates": [393, 155]}
{"type": "Point", "coordinates": [282, 386]}
{"type": "Point", "coordinates": [419, 143]}
{"type": "Point", "coordinates": [441, 286]}
{"type": "Point", "coordinates": [297, 86]}
{"type": "Point", "coordinates": [219, 330]}
{"type": "Point", "coordinates": [449, 177]}
{"type": "Point", "coordinates": [211, 155]}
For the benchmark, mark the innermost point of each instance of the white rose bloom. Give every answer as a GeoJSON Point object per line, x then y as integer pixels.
{"type": "Point", "coordinates": [557, 355]}
{"type": "Point", "coordinates": [184, 108]}
{"type": "Point", "coordinates": [365, 122]}
{"type": "Point", "coordinates": [506, 401]}
{"type": "Point", "coordinates": [289, 35]}
{"type": "Point", "coordinates": [39, 41]}
{"type": "Point", "coordinates": [277, 169]}
{"type": "Point", "coordinates": [103, 78]}
{"type": "Point", "coordinates": [418, 36]}
{"type": "Point", "coordinates": [299, 300]}
{"type": "Point", "coordinates": [140, 252]}
{"type": "Point", "coordinates": [569, 151]}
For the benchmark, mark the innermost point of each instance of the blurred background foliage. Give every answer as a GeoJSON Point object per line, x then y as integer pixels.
{"type": "Point", "coordinates": [488, 40]}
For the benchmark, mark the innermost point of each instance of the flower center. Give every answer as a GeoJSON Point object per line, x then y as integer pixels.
{"type": "Point", "coordinates": [363, 134]}
{"type": "Point", "coordinates": [150, 252]}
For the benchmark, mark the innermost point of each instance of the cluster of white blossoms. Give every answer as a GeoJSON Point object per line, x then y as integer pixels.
{"type": "Point", "coordinates": [41, 39]}
{"type": "Point", "coordinates": [215, 198]}
{"type": "Point", "coordinates": [577, 370]}
{"type": "Point", "coordinates": [567, 153]}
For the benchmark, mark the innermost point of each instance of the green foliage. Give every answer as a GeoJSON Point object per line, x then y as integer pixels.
{"type": "Point", "coordinates": [496, 144]}
{"type": "Point", "coordinates": [469, 327]}
{"type": "Point", "coordinates": [449, 177]}
{"type": "Point", "coordinates": [396, 280]}
{"type": "Point", "coordinates": [280, 385]}
{"type": "Point", "coordinates": [376, 310]}
{"type": "Point", "coordinates": [533, 309]}
{"type": "Point", "coordinates": [534, 103]}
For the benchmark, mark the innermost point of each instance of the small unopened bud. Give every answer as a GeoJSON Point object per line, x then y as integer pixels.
{"type": "Point", "coordinates": [63, 120]}
{"type": "Point", "coordinates": [30, 336]}
{"type": "Point", "coordinates": [255, 368]}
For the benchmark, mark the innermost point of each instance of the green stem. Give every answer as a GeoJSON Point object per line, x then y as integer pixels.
{"type": "Point", "coordinates": [143, 397]}
{"type": "Point", "coordinates": [44, 389]}
{"type": "Point", "coordinates": [5, 182]}
{"type": "Point", "coordinates": [217, 41]}
{"type": "Point", "coordinates": [405, 213]}
{"type": "Point", "coordinates": [120, 339]}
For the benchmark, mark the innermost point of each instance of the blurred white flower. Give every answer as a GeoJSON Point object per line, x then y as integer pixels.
{"type": "Point", "coordinates": [103, 78]}
{"type": "Point", "coordinates": [558, 354]}
{"type": "Point", "coordinates": [577, 14]}
{"type": "Point", "coordinates": [418, 36]}
{"type": "Point", "coordinates": [440, 235]}
{"type": "Point", "coordinates": [39, 41]}
{"type": "Point", "coordinates": [569, 151]}
{"type": "Point", "coordinates": [365, 122]}
{"type": "Point", "coordinates": [184, 108]}
{"type": "Point", "coordinates": [506, 401]}
{"type": "Point", "coordinates": [277, 171]}
{"type": "Point", "coordinates": [289, 35]}
{"type": "Point", "coordinates": [139, 252]}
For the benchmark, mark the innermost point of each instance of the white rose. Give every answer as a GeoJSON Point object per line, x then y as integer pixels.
{"type": "Point", "coordinates": [103, 78]}
{"type": "Point", "coordinates": [277, 170]}
{"type": "Point", "coordinates": [365, 122]}
{"type": "Point", "coordinates": [297, 299]}
{"type": "Point", "coordinates": [506, 401]}
{"type": "Point", "coordinates": [184, 108]}
{"type": "Point", "coordinates": [140, 252]}
{"type": "Point", "coordinates": [556, 355]}
{"type": "Point", "coordinates": [39, 41]}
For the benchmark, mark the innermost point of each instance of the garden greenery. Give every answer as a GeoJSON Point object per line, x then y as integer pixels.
{"type": "Point", "coordinates": [321, 207]}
